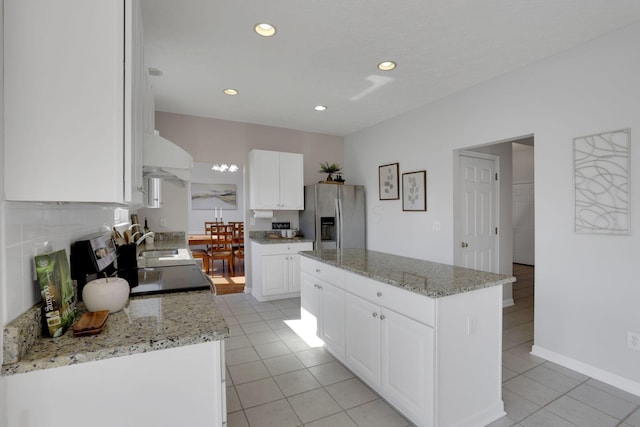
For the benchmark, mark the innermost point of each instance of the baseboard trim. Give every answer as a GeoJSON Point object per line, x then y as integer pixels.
{"type": "Point", "coordinates": [589, 370]}
{"type": "Point", "coordinates": [507, 302]}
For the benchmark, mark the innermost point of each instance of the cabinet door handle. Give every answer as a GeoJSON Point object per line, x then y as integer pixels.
{"type": "Point", "coordinates": [379, 294]}
{"type": "Point", "coordinates": [382, 317]}
{"type": "Point", "coordinates": [374, 314]}
{"type": "Point", "coordinates": [317, 270]}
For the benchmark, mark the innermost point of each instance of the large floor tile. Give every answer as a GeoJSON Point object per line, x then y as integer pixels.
{"type": "Point", "coordinates": [296, 382]}
{"type": "Point", "coordinates": [603, 401]}
{"type": "Point", "coordinates": [283, 364]}
{"type": "Point", "coordinates": [248, 372]}
{"type": "Point", "coordinates": [634, 418]}
{"type": "Point", "coordinates": [552, 379]}
{"type": "Point", "coordinates": [240, 356]}
{"type": "Point", "coordinates": [517, 407]}
{"type": "Point", "coordinates": [351, 393]}
{"type": "Point", "coordinates": [544, 418]}
{"type": "Point", "coordinates": [272, 349]}
{"type": "Point", "coordinates": [258, 392]}
{"type": "Point", "coordinates": [233, 401]}
{"type": "Point", "coordinates": [262, 337]}
{"type": "Point", "coordinates": [313, 405]}
{"type": "Point", "coordinates": [531, 390]}
{"type": "Point", "coordinates": [237, 419]}
{"type": "Point", "coordinates": [330, 373]}
{"type": "Point", "coordinates": [340, 419]}
{"type": "Point", "coordinates": [253, 327]}
{"type": "Point", "coordinates": [273, 414]}
{"type": "Point", "coordinates": [314, 356]}
{"type": "Point", "coordinates": [580, 414]}
{"type": "Point", "coordinates": [377, 414]}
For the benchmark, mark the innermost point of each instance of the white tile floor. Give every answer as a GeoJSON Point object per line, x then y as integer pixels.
{"type": "Point", "coordinates": [276, 379]}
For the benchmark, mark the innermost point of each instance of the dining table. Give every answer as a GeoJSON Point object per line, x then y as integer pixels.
{"type": "Point", "coordinates": [199, 239]}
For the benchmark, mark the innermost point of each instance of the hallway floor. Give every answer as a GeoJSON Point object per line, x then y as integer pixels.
{"type": "Point", "coordinates": [277, 379]}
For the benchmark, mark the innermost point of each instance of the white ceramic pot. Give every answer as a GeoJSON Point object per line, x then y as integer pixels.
{"type": "Point", "coordinates": [106, 294]}
{"type": "Point", "coordinates": [291, 234]}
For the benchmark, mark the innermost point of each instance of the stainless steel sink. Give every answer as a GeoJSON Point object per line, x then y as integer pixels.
{"type": "Point", "coordinates": [158, 253]}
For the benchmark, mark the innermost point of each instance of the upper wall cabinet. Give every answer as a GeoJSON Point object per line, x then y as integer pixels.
{"type": "Point", "coordinates": [276, 180]}
{"type": "Point", "coordinates": [74, 84]}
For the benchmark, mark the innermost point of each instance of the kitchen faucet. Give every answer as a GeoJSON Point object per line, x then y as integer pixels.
{"type": "Point", "coordinates": [144, 236]}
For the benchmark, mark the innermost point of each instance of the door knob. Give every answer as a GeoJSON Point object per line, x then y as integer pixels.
{"type": "Point", "coordinates": [382, 317]}
{"type": "Point", "coordinates": [374, 314]}
{"type": "Point", "coordinates": [464, 245]}
{"type": "Point", "coordinates": [379, 294]}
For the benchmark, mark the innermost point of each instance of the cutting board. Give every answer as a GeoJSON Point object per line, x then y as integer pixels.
{"type": "Point", "coordinates": [90, 323]}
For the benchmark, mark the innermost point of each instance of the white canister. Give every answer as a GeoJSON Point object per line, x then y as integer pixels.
{"type": "Point", "coordinates": [109, 293]}
{"type": "Point", "coordinates": [291, 234]}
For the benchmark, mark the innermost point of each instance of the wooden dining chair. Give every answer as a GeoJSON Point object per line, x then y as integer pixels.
{"type": "Point", "coordinates": [221, 246]}
{"type": "Point", "coordinates": [238, 242]}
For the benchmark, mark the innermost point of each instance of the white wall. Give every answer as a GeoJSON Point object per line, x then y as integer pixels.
{"type": "Point", "coordinates": [586, 289]}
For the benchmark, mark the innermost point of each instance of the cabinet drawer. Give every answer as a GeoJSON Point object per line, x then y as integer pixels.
{"type": "Point", "coordinates": [284, 248]}
{"type": "Point", "coordinates": [325, 272]}
{"type": "Point", "coordinates": [415, 306]}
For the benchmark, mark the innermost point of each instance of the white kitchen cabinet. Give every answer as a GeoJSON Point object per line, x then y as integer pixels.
{"type": "Point", "coordinates": [276, 269]}
{"type": "Point", "coordinates": [437, 360]}
{"type": "Point", "coordinates": [156, 388]}
{"type": "Point", "coordinates": [392, 353]}
{"type": "Point", "coordinates": [276, 180]}
{"type": "Point", "coordinates": [323, 311]}
{"type": "Point", "coordinates": [73, 93]}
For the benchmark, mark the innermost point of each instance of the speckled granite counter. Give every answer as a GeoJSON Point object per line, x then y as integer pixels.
{"type": "Point", "coordinates": [273, 237]}
{"type": "Point", "coordinates": [424, 277]}
{"type": "Point", "coordinates": [146, 324]}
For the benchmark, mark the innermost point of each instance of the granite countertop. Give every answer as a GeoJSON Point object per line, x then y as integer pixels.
{"type": "Point", "coordinates": [147, 323]}
{"type": "Point", "coordinates": [428, 278]}
{"type": "Point", "coordinates": [274, 237]}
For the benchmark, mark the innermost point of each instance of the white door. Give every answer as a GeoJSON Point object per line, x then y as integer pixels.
{"type": "Point", "coordinates": [523, 223]}
{"type": "Point", "coordinates": [478, 245]}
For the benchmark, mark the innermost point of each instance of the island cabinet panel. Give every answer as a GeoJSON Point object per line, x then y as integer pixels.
{"type": "Point", "coordinates": [437, 360]}
{"type": "Point", "coordinates": [276, 180]}
{"type": "Point", "coordinates": [74, 83]}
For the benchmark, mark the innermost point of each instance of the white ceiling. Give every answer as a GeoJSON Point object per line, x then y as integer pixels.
{"type": "Point", "coordinates": [326, 52]}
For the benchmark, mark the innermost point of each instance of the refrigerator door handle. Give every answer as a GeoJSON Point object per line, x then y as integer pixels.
{"type": "Point", "coordinates": [338, 224]}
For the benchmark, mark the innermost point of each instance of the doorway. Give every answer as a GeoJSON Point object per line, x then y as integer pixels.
{"type": "Point", "coordinates": [511, 169]}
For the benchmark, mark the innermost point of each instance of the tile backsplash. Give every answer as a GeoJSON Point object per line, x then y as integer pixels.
{"type": "Point", "coordinates": [30, 226]}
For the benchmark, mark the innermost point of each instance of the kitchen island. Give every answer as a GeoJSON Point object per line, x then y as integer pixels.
{"type": "Point", "coordinates": [426, 336]}
{"type": "Point", "coordinates": [159, 361]}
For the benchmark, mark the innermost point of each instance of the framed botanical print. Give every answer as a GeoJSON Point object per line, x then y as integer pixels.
{"type": "Point", "coordinates": [388, 182]}
{"type": "Point", "coordinates": [414, 191]}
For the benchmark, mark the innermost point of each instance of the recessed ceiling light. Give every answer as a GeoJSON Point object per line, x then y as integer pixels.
{"type": "Point", "coordinates": [386, 66]}
{"type": "Point", "coordinates": [230, 91]}
{"type": "Point", "coordinates": [320, 107]}
{"type": "Point", "coordinates": [265, 30]}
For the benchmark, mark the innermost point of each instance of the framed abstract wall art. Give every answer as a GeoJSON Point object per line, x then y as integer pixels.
{"type": "Point", "coordinates": [602, 165]}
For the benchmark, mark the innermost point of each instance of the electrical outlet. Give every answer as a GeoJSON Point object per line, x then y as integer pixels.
{"type": "Point", "coordinates": [436, 226]}
{"type": "Point", "coordinates": [163, 222]}
{"type": "Point", "coordinates": [633, 340]}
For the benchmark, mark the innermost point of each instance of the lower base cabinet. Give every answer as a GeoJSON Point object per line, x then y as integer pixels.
{"type": "Point", "coordinates": [276, 269]}
{"type": "Point", "coordinates": [182, 386]}
{"type": "Point", "coordinates": [438, 361]}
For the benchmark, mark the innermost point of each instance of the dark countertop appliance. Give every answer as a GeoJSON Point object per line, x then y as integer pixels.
{"type": "Point", "coordinates": [96, 256]}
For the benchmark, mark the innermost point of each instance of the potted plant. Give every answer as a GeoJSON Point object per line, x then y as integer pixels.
{"type": "Point", "coordinates": [329, 169]}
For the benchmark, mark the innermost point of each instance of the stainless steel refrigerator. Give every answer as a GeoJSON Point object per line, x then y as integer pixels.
{"type": "Point", "coordinates": [334, 216]}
